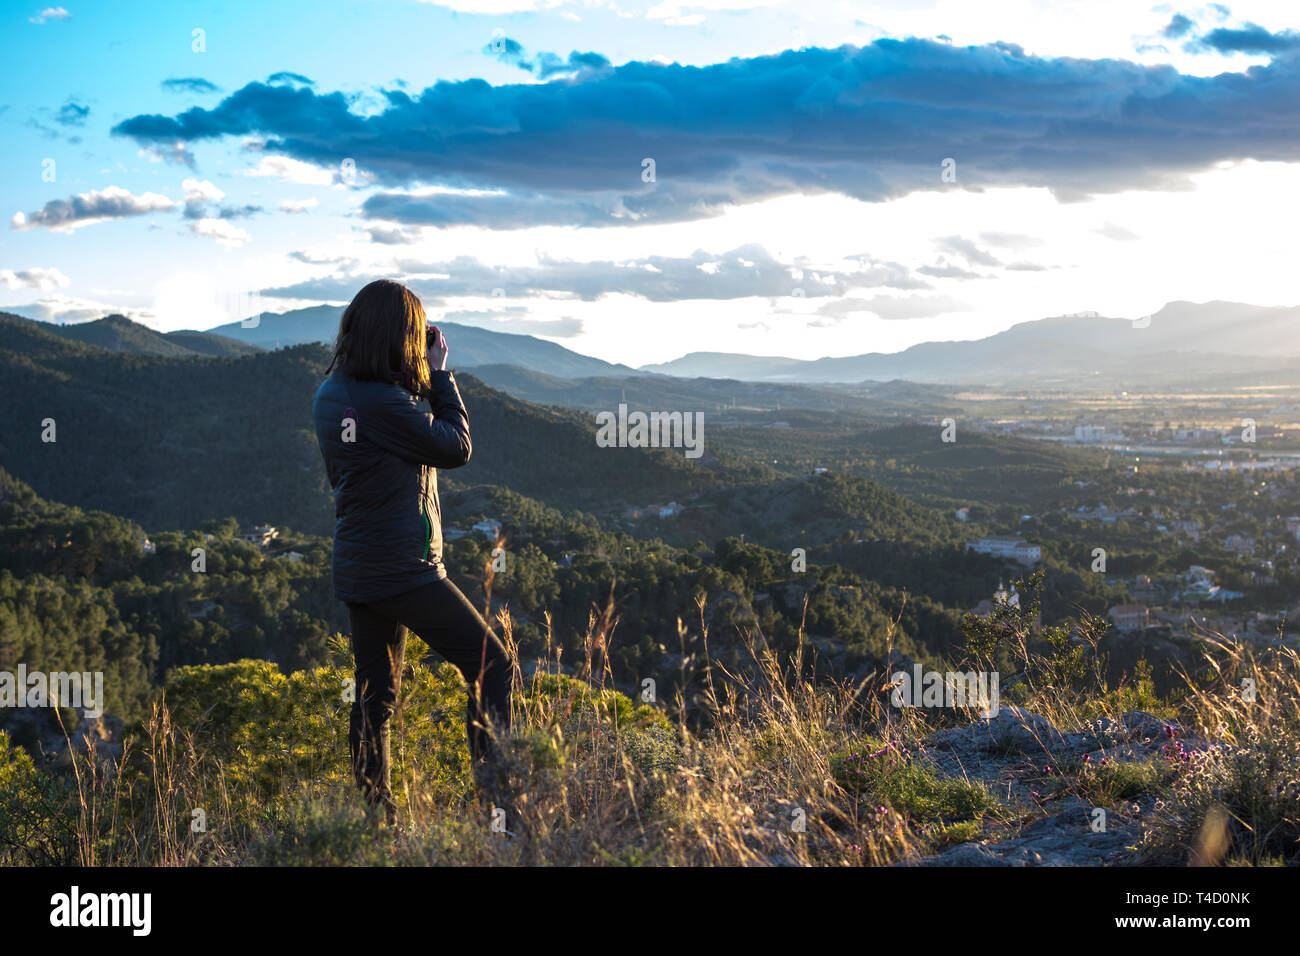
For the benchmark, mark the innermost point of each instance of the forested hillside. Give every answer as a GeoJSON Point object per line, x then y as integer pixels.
{"type": "Point", "coordinates": [171, 442]}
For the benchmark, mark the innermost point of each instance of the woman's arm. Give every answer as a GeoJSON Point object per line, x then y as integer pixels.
{"type": "Point", "coordinates": [399, 425]}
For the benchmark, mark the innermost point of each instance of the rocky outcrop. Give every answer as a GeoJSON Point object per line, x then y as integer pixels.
{"type": "Point", "coordinates": [1016, 748]}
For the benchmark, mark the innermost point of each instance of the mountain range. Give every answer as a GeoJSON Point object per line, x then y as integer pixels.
{"type": "Point", "coordinates": [470, 346]}
{"type": "Point", "coordinates": [1182, 343]}
{"type": "Point", "coordinates": [117, 333]}
{"type": "Point", "coordinates": [1182, 340]}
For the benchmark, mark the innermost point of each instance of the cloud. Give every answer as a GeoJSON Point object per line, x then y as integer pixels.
{"type": "Point", "coordinates": [1010, 240]}
{"type": "Point", "coordinates": [967, 249]}
{"type": "Point", "coordinates": [517, 321]}
{"type": "Point", "coordinates": [72, 113]}
{"type": "Point", "coordinates": [67, 310]}
{"type": "Point", "coordinates": [298, 205]}
{"type": "Point", "coordinates": [740, 273]}
{"type": "Point", "coordinates": [83, 209]}
{"type": "Point", "coordinates": [392, 235]}
{"type": "Point", "coordinates": [201, 194]}
{"type": "Point", "coordinates": [198, 194]}
{"type": "Point", "coordinates": [315, 259]}
{"type": "Point", "coordinates": [945, 270]}
{"type": "Point", "coordinates": [805, 121]}
{"type": "Point", "coordinates": [894, 307]}
{"type": "Point", "coordinates": [169, 153]}
{"type": "Point", "coordinates": [291, 171]}
{"type": "Point", "coordinates": [189, 84]}
{"type": "Point", "coordinates": [50, 13]}
{"type": "Point", "coordinates": [1113, 231]}
{"type": "Point", "coordinates": [493, 7]}
{"type": "Point", "coordinates": [223, 232]}
{"type": "Point", "coordinates": [38, 277]}
{"type": "Point", "coordinates": [1178, 26]}
{"type": "Point", "coordinates": [543, 65]}
{"type": "Point", "coordinates": [1251, 38]}
{"type": "Point", "coordinates": [290, 78]}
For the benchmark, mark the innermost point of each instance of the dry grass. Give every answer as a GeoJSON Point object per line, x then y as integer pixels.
{"type": "Point", "coordinates": [756, 767]}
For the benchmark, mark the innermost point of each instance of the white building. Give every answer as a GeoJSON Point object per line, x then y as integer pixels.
{"type": "Point", "coordinates": [1014, 549]}
{"type": "Point", "coordinates": [262, 535]}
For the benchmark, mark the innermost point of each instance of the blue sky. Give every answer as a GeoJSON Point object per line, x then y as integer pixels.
{"type": "Point", "coordinates": [1105, 156]}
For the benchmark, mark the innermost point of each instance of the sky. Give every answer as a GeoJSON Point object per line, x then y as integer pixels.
{"type": "Point", "coordinates": [640, 181]}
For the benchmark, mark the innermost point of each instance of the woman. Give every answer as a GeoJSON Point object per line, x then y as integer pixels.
{"type": "Point", "coordinates": [382, 446]}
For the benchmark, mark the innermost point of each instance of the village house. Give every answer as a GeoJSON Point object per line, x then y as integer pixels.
{"type": "Point", "coordinates": [261, 535]}
{"type": "Point", "coordinates": [1129, 617]}
{"type": "Point", "coordinates": [1014, 549]}
{"type": "Point", "coordinates": [1240, 543]}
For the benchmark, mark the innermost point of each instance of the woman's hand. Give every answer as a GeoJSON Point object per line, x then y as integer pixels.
{"type": "Point", "coordinates": [437, 346]}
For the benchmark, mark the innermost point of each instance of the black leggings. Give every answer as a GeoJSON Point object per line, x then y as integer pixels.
{"type": "Point", "coordinates": [445, 620]}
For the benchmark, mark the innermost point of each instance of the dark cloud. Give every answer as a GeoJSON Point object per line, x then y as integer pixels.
{"type": "Point", "coordinates": [238, 212]}
{"type": "Point", "coordinates": [203, 201]}
{"type": "Point", "coordinates": [544, 65]}
{"type": "Point", "coordinates": [746, 271]}
{"type": "Point", "coordinates": [392, 235]}
{"type": "Point", "coordinates": [1178, 26]}
{"type": "Point", "coordinates": [284, 76]}
{"type": "Point", "coordinates": [1251, 38]}
{"type": "Point", "coordinates": [312, 259]}
{"type": "Point", "coordinates": [872, 123]}
{"type": "Point", "coordinates": [85, 208]}
{"type": "Point", "coordinates": [189, 84]}
{"type": "Point", "coordinates": [72, 113]}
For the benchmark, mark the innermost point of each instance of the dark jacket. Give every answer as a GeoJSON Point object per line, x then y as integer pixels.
{"type": "Point", "coordinates": [388, 530]}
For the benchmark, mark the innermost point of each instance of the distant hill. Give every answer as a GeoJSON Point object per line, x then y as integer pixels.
{"type": "Point", "coordinates": [1181, 342]}
{"type": "Point", "coordinates": [803, 510]}
{"type": "Point", "coordinates": [469, 346]}
{"type": "Point", "coordinates": [117, 333]}
{"type": "Point", "coordinates": [596, 393]}
{"type": "Point", "coordinates": [724, 399]}
{"type": "Point", "coordinates": [207, 343]}
{"type": "Point", "coordinates": [172, 441]}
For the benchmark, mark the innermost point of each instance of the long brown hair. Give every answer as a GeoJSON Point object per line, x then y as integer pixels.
{"type": "Point", "coordinates": [381, 337]}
